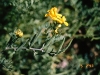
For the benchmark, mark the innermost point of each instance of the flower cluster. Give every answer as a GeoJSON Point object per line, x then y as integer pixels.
{"type": "Point", "coordinates": [19, 33]}
{"type": "Point", "coordinates": [54, 15]}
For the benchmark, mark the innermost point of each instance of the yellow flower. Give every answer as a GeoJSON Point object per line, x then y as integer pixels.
{"type": "Point", "coordinates": [19, 33]}
{"type": "Point", "coordinates": [56, 30]}
{"type": "Point", "coordinates": [53, 14]}
{"type": "Point", "coordinates": [62, 20]}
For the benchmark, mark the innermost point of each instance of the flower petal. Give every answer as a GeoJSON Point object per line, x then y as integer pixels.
{"type": "Point", "coordinates": [66, 23]}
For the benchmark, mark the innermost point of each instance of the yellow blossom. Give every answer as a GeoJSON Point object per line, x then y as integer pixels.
{"type": "Point", "coordinates": [19, 33]}
{"type": "Point", "coordinates": [62, 20]}
{"type": "Point", "coordinates": [53, 14]}
{"type": "Point", "coordinates": [56, 30]}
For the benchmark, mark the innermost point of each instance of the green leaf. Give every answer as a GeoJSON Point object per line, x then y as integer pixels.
{"type": "Point", "coordinates": [61, 46]}
{"type": "Point", "coordinates": [49, 42]}
{"type": "Point", "coordinates": [36, 38]}
{"type": "Point", "coordinates": [67, 46]}
{"type": "Point", "coordinates": [23, 44]}
{"type": "Point", "coordinates": [31, 39]}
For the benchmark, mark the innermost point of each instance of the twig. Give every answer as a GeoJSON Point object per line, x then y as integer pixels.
{"type": "Point", "coordinates": [15, 48]}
